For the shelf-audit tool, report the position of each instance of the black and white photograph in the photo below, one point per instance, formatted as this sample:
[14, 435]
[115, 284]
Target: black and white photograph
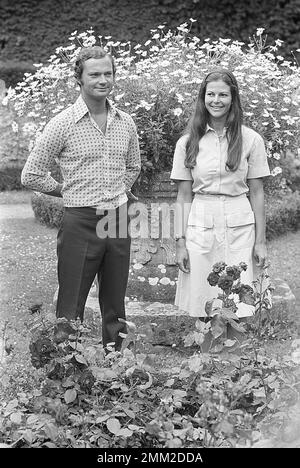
[149, 228]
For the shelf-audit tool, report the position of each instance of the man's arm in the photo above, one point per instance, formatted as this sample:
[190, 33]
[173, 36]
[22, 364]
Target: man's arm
[133, 160]
[36, 172]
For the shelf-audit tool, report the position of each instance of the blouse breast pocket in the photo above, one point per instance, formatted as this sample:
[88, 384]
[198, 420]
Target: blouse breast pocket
[240, 230]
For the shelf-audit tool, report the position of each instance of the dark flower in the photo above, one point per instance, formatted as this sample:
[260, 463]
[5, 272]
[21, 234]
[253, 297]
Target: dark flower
[246, 294]
[218, 267]
[233, 271]
[213, 278]
[225, 282]
[41, 351]
[243, 266]
[86, 381]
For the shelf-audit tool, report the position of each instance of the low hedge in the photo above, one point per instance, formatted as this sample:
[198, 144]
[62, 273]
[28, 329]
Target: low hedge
[10, 179]
[282, 213]
[12, 71]
[47, 210]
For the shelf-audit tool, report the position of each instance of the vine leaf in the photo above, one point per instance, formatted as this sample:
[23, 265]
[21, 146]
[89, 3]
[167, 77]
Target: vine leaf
[113, 425]
[70, 395]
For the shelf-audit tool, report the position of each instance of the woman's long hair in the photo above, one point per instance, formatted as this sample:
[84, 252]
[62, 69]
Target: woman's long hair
[197, 125]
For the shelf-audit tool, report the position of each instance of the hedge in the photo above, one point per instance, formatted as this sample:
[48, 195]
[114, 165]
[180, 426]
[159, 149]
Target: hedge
[12, 72]
[32, 29]
[10, 179]
[282, 213]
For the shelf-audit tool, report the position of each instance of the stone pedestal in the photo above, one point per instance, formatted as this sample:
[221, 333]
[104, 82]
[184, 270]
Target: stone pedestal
[163, 324]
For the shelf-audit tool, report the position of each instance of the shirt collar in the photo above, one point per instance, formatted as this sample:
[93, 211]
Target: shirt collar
[208, 128]
[81, 109]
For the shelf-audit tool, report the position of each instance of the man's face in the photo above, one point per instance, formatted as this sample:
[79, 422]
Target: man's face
[97, 78]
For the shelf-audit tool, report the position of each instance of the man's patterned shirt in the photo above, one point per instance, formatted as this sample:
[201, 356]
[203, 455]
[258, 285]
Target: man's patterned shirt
[97, 168]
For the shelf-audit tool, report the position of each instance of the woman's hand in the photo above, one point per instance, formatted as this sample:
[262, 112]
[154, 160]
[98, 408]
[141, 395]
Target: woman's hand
[182, 257]
[260, 254]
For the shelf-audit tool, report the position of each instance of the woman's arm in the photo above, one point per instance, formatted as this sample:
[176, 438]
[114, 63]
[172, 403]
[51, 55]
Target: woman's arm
[183, 206]
[257, 202]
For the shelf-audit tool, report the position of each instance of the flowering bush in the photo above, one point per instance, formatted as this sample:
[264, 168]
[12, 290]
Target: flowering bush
[158, 82]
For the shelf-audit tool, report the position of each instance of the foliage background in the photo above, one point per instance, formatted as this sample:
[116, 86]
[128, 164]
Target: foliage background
[131, 20]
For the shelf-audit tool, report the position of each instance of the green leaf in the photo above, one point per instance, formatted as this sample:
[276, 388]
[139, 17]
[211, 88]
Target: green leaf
[70, 395]
[113, 425]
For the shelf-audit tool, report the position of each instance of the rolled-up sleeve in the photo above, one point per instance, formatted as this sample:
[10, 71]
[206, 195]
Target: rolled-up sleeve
[258, 160]
[133, 158]
[36, 171]
[179, 171]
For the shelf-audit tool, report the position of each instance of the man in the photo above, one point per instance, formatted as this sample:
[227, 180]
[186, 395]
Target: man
[97, 149]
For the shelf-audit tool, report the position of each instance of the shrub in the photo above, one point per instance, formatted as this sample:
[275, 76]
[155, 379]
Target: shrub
[282, 214]
[157, 83]
[10, 179]
[12, 72]
[48, 210]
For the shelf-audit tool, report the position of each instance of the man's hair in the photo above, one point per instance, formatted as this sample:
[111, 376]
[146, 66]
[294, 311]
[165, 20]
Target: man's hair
[86, 53]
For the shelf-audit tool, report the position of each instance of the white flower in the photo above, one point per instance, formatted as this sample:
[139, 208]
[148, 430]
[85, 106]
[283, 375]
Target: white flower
[153, 281]
[165, 280]
[138, 266]
[15, 127]
[177, 112]
[276, 156]
[276, 171]
[259, 31]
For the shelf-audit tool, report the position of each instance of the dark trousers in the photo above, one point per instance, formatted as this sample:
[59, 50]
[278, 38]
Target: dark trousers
[86, 247]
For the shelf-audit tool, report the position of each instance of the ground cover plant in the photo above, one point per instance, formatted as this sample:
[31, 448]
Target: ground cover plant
[221, 397]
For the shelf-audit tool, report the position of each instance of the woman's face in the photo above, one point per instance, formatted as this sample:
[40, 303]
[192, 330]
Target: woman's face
[218, 99]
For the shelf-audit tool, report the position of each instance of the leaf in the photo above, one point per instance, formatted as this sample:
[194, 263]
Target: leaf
[79, 358]
[129, 413]
[49, 445]
[147, 384]
[113, 425]
[218, 327]
[28, 436]
[103, 373]
[70, 395]
[125, 432]
[237, 326]
[103, 418]
[228, 343]
[51, 430]
[16, 418]
[228, 314]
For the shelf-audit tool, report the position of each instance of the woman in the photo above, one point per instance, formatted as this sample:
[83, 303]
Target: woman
[216, 163]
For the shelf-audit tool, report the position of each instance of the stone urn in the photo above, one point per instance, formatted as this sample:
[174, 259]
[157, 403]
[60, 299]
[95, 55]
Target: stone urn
[153, 273]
